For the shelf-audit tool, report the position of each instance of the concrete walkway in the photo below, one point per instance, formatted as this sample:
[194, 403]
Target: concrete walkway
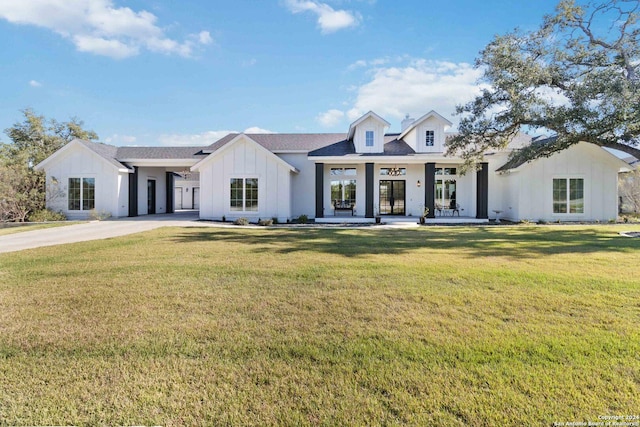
[95, 230]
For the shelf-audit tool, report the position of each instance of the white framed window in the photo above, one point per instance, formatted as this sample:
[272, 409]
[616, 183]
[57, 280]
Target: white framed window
[368, 138]
[244, 195]
[568, 195]
[81, 194]
[430, 138]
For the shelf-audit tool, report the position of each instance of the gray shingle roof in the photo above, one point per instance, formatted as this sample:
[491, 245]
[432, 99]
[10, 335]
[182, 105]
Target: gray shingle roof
[392, 147]
[106, 151]
[275, 142]
[523, 155]
[159, 153]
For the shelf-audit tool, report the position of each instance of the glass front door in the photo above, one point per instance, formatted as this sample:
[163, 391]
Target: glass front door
[392, 196]
[446, 193]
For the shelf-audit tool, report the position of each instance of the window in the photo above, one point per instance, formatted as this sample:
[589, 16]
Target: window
[446, 171]
[568, 195]
[368, 136]
[244, 194]
[343, 189]
[394, 171]
[82, 194]
[430, 138]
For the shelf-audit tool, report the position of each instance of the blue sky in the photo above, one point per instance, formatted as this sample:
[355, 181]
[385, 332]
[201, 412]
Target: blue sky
[160, 72]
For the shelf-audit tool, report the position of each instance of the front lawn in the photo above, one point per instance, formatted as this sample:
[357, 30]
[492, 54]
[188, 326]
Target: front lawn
[436, 326]
[11, 228]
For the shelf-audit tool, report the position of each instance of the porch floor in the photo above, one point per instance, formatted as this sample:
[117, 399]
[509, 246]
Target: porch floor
[401, 220]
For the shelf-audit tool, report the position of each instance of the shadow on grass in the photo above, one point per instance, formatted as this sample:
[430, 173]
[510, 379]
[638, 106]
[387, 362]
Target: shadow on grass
[480, 241]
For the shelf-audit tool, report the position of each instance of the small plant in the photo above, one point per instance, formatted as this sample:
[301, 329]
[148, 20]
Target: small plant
[274, 220]
[224, 218]
[303, 219]
[265, 222]
[542, 221]
[97, 215]
[45, 215]
[241, 221]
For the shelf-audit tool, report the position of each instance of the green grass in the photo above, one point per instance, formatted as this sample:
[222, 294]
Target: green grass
[437, 326]
[12, 228]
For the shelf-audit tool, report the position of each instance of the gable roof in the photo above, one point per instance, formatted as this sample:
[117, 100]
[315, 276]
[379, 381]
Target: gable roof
[283, 142]
[104, 151]
[517, 161]
[419, 120]
[392, 147]
[352, 127]
[146, 153]
[230, 141]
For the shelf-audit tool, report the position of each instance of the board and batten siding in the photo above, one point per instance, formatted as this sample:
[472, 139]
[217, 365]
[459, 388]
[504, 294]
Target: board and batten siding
[245, 159]
[111, 186]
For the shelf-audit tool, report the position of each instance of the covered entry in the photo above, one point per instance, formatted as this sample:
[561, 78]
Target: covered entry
[392, 197]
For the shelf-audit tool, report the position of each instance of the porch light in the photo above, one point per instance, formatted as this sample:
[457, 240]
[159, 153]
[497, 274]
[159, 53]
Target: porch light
[418, 183]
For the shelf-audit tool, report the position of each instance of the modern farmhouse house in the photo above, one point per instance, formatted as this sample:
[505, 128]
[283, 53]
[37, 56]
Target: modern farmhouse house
[354, 176]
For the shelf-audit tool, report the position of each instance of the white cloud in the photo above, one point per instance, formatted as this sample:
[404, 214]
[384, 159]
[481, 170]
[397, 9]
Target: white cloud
[256, 129]
[204, 37]
[99, 27]
[330, 118]
[204, 138]
[35, 83]
[329, 19]
[116, 139]
[416, 88]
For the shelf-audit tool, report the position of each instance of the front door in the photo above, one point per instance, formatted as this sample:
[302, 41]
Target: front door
[392, 196]
[196, 197]
[177, 198]
[151, 196]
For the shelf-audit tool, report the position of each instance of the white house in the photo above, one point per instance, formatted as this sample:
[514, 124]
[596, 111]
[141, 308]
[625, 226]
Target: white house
[363, 173]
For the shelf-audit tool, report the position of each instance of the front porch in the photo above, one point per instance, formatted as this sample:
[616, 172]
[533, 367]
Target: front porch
[405, 221]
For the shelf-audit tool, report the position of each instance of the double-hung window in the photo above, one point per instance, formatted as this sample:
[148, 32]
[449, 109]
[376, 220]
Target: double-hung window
[244, 194]
[368, 138]
[430, 138]
[82, 194]
[568, 195]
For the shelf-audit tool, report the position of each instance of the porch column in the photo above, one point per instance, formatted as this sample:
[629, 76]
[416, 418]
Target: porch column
[368, 192]
[169, 176]
[482, 199]
[133, 192]
[430, 188]
[319, 190]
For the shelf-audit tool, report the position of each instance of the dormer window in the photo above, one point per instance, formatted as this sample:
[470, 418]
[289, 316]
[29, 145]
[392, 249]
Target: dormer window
[369, 138]
[430, 138]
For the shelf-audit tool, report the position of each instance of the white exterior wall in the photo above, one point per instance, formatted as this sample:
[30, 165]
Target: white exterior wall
[359, 137]
[187, 193]
[303, 184]
[245, 159]
[158, 175]
[589, 162]
[80, 162]
[417, 136]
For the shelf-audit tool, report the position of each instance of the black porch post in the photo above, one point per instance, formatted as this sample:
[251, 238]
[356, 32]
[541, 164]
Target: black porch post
[170, 192]
[430, 188]
[133, 192]
[368, 194]
[482, 192]
[319, 190]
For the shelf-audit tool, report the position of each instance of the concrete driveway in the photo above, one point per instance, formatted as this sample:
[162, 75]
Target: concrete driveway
[95, 230]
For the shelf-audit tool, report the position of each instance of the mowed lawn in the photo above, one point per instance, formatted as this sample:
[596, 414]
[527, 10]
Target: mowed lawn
[480, 326]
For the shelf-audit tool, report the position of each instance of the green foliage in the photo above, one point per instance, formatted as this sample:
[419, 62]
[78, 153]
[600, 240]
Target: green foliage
[265, 222]
[241, 221]
[577, 76]
[99, 215]
[32, 140]
[45, 215]
[303, 219]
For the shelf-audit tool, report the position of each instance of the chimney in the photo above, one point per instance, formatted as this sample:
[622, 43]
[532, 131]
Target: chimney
[408, 121]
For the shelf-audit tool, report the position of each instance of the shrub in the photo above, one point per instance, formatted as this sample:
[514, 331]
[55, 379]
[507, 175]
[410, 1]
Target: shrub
[44, 215]
[274, 220]
[95, 214]
[303, 219]
[542, 221]
[241, 221]
[265, 222]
